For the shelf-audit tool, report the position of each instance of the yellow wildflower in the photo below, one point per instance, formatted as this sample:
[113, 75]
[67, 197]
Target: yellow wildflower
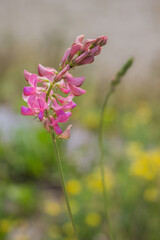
[94, 181]
[73, 187]
[93, 219]
[145, 164]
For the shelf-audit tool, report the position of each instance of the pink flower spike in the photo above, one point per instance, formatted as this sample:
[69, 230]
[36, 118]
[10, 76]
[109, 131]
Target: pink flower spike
[26, 111]
[77, 91]
[27, 91]
[66, 134]
[74, 81]
[27, 75]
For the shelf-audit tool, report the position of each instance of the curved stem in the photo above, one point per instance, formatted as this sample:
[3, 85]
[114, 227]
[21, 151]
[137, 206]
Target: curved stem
[63, 184]
[112, 87]
[101, 161]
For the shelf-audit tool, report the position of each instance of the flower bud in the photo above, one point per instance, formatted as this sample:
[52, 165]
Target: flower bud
[66, 134]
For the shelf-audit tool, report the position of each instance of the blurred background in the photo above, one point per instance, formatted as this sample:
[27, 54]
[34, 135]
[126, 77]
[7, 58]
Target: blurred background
[31, 199]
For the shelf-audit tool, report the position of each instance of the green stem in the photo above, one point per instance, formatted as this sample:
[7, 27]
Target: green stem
[63, 184]
[101, 161]
[112, 87]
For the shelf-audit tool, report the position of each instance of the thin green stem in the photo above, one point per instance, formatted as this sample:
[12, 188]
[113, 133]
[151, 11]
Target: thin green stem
[112, 87]
[63, 184]
[101, 161]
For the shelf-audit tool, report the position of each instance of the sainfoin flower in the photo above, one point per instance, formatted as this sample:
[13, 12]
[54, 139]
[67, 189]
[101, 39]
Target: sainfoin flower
[43, 95]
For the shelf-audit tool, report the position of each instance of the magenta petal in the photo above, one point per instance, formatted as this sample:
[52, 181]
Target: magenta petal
[45, 72]
[74, 81]
[69, 106]
[87, 43]
[59, 111]
[27, 75]
[31, 100]
[40, 115]
[63, 87]
[101, 41]
[68, 114]
[63, 118]
[96, 50]
[26, 111]
[25, 98]
[74, 49]
[57, 129]
[87, 60]
[33, 80]
[79, 39]
[76, 90]
[65, 90]
[65, 57]
[81, 57]
[27, 91]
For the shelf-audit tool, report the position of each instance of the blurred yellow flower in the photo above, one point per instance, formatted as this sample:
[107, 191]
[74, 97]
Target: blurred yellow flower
[73, 187]
[151, 194]
[93, 219]
[145, 164]
[5, 225]
[52, 208]
[94, 181]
